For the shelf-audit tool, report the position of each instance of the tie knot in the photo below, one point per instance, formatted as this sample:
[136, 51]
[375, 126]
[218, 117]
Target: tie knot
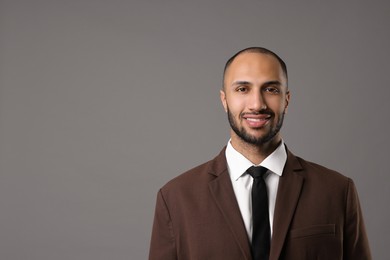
[257, 171]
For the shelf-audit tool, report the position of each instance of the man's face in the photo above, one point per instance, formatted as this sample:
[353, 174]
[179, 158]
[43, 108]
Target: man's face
[255, 97]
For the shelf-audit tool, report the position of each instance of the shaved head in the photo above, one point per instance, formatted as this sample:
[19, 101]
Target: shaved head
[260, 50]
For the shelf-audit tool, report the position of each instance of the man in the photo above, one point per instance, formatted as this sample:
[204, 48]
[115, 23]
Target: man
[221, 210]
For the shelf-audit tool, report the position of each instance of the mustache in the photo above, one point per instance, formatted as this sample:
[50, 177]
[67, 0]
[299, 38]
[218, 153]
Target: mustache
[260, 112]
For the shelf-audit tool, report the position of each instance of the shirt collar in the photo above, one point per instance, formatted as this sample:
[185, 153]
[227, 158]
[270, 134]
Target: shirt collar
[238, 163]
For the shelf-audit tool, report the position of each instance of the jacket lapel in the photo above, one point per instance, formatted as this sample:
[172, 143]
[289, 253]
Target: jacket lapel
[222, 192]
[289, 190]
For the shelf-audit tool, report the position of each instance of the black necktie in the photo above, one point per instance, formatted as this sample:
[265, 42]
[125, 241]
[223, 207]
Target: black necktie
[261, 234]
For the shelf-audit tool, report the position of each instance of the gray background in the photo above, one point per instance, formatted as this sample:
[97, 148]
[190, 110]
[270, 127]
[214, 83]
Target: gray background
[102, 102]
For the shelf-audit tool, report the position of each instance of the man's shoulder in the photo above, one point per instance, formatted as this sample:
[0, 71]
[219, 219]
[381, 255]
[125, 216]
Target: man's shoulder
[192, 175]
[321, 173]
[198, 175]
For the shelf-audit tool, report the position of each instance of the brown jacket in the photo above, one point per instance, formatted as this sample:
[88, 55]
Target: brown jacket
[317, 216]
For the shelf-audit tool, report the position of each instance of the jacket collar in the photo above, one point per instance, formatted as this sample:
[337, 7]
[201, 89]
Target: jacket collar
[289, 190]
[222, 192]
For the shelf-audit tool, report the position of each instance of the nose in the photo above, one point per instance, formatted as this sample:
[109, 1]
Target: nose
[256, 101]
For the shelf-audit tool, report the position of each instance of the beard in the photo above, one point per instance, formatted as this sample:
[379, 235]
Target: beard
[248, 138]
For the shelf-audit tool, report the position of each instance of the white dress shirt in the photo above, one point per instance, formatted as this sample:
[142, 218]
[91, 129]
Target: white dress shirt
[242, 181]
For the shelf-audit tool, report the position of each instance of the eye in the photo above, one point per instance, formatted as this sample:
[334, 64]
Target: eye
[272, 90]
[241, 89]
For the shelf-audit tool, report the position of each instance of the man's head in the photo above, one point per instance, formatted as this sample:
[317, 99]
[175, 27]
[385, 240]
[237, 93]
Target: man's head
[255, 95]
[256, 50]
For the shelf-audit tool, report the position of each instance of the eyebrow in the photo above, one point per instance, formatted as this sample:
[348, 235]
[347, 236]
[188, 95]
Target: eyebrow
[241, 82]
[268, 83]
[273, 82]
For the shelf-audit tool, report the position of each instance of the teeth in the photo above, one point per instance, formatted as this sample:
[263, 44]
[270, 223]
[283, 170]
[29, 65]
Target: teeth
[255, 119]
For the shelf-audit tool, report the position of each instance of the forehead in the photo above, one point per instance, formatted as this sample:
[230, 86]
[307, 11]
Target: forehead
[259, 66]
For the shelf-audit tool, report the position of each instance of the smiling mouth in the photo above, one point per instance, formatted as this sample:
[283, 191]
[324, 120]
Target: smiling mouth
[256, 120]
[256, 117]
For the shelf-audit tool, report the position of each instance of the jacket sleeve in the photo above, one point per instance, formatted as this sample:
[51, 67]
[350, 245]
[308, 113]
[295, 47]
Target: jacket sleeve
[355, 238]
[162, 244]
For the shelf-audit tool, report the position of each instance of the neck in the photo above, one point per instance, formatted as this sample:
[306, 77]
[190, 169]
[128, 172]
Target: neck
[256, 153]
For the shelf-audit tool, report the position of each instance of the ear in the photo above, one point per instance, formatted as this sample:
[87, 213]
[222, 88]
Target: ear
[287, 101]
[222, 95]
